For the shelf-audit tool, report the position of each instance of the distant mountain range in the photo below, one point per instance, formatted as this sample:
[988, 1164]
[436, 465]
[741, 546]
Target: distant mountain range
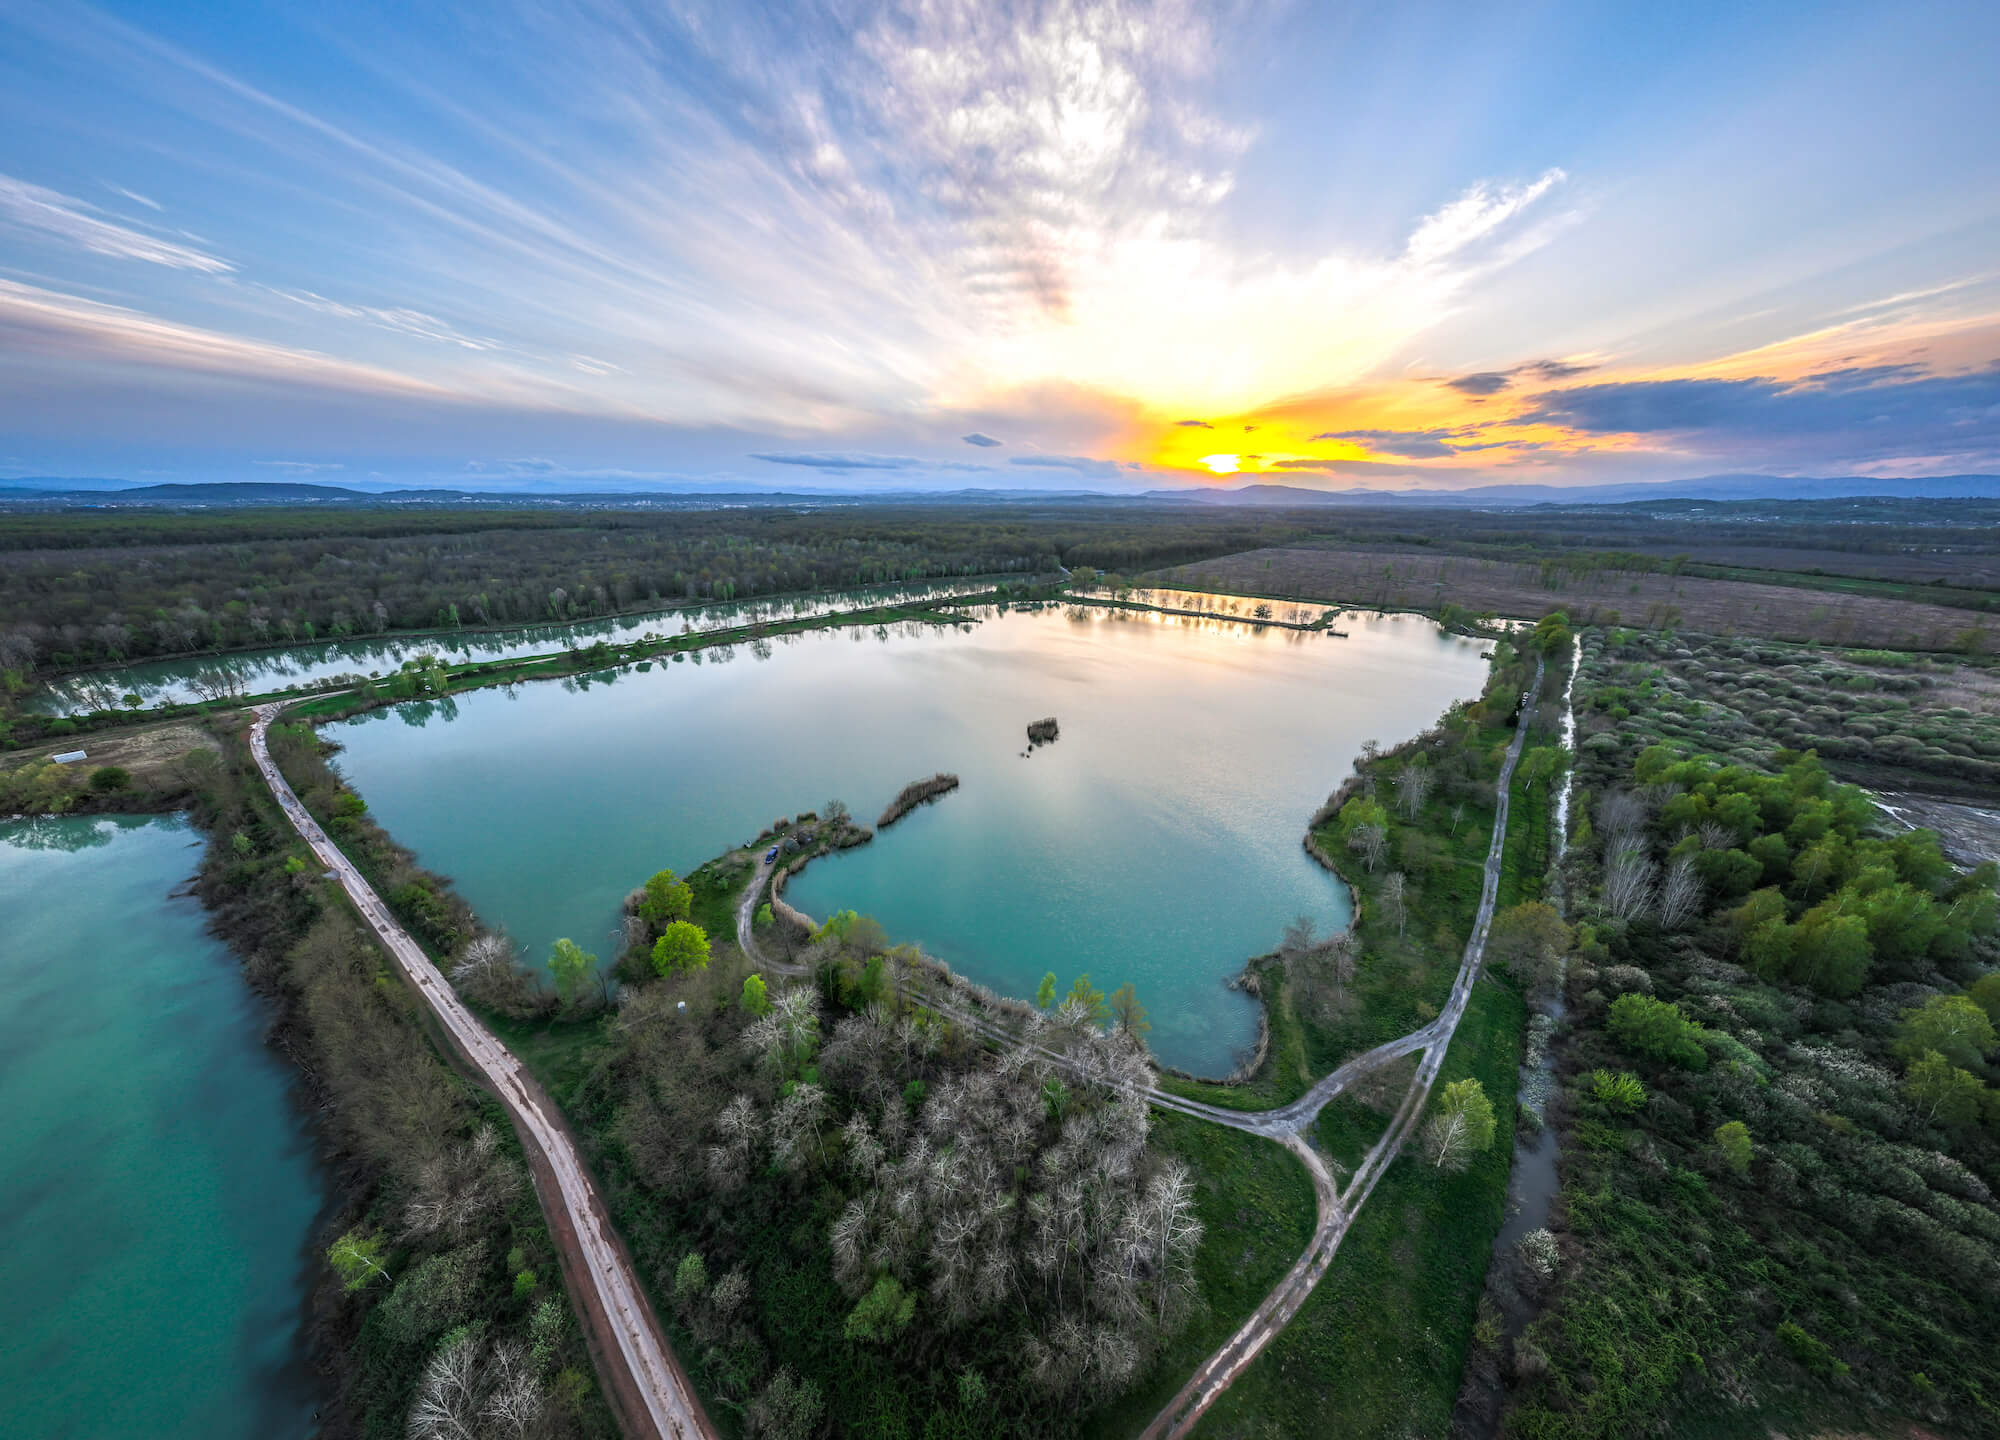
[43, 490]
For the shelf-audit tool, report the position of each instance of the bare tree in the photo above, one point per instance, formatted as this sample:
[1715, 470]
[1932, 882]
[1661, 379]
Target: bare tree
[488, 972]
[1340, 963]
[1621, 812]
[1394, 906]
[1170, 1233]
[467, 1394]
[1680, 895]
[1371, 843]
[1414, 783]
[1628, 880]
[455, 1188]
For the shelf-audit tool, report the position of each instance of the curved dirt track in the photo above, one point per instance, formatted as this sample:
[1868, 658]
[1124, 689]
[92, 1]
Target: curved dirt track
[645, 1382]
[1288, 1123]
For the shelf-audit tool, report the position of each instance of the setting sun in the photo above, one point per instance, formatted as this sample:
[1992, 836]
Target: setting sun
[1221, 464]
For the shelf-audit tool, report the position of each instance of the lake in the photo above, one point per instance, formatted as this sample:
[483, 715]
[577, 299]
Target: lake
[1157, 842]
[254, 672]
[158, 1190]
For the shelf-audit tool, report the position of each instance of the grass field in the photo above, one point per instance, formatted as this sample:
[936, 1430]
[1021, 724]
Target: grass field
[1379, 1347]
[1256, 1209]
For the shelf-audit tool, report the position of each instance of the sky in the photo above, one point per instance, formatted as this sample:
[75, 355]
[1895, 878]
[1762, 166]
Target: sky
[590, 244]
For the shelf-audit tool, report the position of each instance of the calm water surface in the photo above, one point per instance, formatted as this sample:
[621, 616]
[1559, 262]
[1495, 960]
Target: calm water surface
[1157, 842]
[157, 1188]
[256, 672]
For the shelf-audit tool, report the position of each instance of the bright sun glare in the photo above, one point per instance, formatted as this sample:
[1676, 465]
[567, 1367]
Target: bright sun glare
[1220, 464]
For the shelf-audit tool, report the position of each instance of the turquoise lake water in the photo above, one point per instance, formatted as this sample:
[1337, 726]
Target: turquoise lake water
[157, 1187]
[1157, 842]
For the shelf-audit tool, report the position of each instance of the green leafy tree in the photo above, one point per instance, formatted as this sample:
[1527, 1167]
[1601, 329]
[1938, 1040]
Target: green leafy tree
[1656, 1028]
[1531, 940]
[1985, 993]
[682, 947]
[789, 1408]
[570, 967]
[1460, 1127]
[1942, 1093]
[764, 919]
[756, 999]
[1129, 1013]
[1091, 1000]
[664, 899]
[357, 1259]
[1045, 993]
[1733, 1140]
[1830, 950]
[882, 1313]
[1953, 1026]
[690, 1279]
[1552, 634]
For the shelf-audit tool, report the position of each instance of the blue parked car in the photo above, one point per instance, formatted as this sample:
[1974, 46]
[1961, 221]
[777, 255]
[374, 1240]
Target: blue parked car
[770, 855]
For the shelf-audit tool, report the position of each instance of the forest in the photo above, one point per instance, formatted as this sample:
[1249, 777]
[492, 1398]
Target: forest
[1779, 1124]
[85, 587]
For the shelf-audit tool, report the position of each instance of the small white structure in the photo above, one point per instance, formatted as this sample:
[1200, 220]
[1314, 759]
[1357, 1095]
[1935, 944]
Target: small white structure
[68, 757]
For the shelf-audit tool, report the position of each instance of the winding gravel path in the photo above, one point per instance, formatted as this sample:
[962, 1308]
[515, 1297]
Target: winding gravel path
[645, 1380]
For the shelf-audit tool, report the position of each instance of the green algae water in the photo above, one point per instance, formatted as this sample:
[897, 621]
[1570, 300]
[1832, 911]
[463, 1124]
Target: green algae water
[157, 1187]
[1157, 842]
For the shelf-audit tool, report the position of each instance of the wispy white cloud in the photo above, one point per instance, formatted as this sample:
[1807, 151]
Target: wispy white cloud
[45, 321]
[300, 467]
[1080, 464]
[1473, 217]
[49, 212]
[134, 196]
[401, 319]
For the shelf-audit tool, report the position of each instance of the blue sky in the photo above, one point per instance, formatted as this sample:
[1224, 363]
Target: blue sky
[1118, 245]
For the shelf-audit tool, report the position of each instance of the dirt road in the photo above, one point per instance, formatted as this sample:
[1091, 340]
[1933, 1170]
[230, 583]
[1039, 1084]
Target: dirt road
[1289, 1124]
[645, 1381]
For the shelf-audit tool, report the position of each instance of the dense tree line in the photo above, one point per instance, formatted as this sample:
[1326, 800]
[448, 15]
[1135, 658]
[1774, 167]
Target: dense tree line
[87, 587]
[119, 587]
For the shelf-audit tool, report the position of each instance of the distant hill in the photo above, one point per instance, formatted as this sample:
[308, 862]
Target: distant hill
[41, 492]
[40, 483]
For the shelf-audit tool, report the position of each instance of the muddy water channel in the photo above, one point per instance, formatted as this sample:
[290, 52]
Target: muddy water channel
[157, 1186]
[1157, 842]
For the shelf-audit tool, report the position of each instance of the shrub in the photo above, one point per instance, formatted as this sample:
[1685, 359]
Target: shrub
[1620, 1091]
[1656, 1028]
[109, 779]
[1733, 1140]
